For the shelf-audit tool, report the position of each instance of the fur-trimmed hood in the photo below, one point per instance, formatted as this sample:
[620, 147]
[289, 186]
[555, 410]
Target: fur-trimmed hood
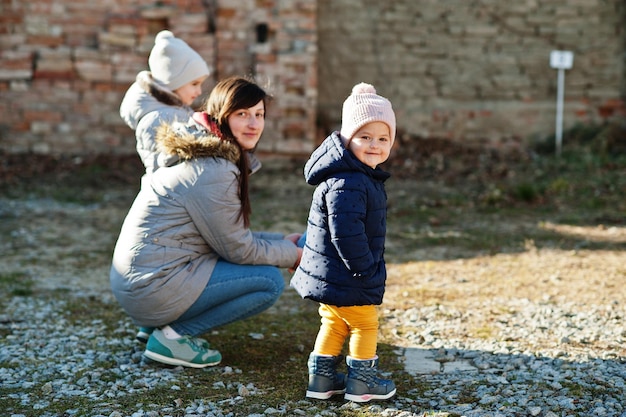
[191, 140]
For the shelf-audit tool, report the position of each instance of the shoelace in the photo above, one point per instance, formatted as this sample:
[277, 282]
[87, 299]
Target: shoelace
[195, 344]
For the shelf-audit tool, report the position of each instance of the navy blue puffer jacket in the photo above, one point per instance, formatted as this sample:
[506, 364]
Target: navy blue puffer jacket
[342, 261]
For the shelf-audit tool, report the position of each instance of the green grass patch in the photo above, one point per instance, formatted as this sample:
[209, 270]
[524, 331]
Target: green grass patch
[16, 284]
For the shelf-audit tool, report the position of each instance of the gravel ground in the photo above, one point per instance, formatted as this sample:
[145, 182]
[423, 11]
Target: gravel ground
[44, 349]
[548, 347]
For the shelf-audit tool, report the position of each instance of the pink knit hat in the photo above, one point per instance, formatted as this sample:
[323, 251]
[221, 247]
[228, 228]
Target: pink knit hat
[364, 106]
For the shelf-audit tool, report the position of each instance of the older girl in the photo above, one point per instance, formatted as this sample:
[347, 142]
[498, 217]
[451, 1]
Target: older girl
[164, 94]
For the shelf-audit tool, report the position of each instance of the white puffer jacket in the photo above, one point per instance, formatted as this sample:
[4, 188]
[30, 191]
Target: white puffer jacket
[145, 106]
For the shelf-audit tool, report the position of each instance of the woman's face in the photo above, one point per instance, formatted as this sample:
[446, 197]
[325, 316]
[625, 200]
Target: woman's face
[247, 125]
[190, 91]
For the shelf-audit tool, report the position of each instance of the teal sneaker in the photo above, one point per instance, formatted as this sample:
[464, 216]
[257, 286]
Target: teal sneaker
[143, 334]
[186, 351]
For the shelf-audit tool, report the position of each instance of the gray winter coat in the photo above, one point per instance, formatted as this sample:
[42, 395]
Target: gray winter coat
[145, 106]
[180, 223]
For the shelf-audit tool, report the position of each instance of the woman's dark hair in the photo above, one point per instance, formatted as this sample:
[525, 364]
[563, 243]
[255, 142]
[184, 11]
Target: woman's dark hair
[229, 95]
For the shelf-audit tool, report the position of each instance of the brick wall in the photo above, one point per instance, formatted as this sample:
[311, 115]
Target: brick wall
[277, 42]
[65, 66]
[452, 68]
[474, 69]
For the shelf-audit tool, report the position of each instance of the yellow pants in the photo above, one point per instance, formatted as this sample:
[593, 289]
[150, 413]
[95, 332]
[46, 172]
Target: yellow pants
[358, 322]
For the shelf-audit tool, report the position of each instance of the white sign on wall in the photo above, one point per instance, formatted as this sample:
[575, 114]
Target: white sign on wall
[561, 59]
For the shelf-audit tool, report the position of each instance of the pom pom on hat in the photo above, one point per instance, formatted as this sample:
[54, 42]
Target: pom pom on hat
[364, 106]
[173, 63]
[363, 88]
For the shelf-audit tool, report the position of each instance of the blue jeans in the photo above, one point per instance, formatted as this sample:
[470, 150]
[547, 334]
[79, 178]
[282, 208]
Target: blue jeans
[302, 240]
[233, 293]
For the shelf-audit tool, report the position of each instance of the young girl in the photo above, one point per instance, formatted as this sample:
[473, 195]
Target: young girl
[163, 95]
[342, 264]
[186, 261]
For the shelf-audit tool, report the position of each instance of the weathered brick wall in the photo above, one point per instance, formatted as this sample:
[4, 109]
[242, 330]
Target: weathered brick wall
[276, 41]
[473, 69]
[65, 65]
[453, 68]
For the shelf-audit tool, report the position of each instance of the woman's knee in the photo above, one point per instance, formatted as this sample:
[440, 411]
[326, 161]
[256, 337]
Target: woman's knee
[275, 279]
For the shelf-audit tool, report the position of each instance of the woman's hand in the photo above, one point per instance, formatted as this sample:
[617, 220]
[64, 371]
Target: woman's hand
[294, 237]
[293, 268]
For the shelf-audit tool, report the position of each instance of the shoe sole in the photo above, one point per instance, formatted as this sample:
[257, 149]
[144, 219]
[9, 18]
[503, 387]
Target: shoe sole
[323, 395]
[363, 398]
[177, 362]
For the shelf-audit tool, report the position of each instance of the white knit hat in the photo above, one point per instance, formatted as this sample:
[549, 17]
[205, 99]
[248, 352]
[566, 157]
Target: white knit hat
[364, 106]
[173, 63]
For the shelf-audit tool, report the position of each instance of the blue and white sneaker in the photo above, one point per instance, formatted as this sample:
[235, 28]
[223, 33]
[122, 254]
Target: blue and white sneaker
[143, 334]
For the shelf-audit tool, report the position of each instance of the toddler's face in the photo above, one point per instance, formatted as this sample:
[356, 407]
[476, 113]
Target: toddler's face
[190, 91]
[371, 144]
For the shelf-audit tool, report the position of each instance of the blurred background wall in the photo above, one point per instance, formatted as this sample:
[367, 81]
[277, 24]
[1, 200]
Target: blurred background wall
[457, 69]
